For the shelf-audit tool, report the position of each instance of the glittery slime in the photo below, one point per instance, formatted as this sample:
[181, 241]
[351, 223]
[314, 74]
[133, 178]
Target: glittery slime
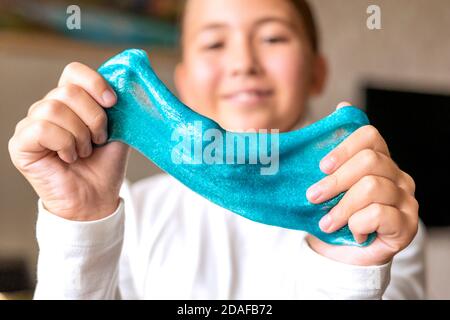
[147, 114]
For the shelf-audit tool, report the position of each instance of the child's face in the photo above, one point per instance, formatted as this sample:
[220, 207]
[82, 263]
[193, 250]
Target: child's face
[246, 64]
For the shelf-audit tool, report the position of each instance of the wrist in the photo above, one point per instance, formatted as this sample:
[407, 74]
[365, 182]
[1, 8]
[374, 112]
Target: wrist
[91, 212]
[52, 230]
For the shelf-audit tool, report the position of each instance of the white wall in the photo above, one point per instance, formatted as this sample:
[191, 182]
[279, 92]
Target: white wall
[412, 49]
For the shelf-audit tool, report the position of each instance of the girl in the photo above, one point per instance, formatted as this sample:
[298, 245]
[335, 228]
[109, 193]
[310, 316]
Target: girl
[247, 65]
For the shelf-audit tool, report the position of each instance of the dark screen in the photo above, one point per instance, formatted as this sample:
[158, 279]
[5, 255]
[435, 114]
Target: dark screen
[416, 127]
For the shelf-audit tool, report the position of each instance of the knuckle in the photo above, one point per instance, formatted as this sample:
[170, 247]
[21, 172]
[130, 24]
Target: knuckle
[72, 67]
[377, 211]
[369, 157]
[69, 143]
[409, 180]
[39, 127]
[66, 141]
[82, 136]
[11, 145]
[370, 184]
[371, 132]
[98, 120]
[414, 204]
[49, 109]
[20, 125]
[33, 107]
[98, 83]
[13, 154]
[69, 91]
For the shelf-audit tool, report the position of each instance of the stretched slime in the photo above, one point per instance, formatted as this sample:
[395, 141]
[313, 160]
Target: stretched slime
[147, 115]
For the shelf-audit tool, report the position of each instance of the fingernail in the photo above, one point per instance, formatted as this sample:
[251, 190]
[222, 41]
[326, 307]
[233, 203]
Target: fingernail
[109, 98]
[314, 192]
[328, 164]
[74, 157]
[325, 222]
[343, 104]
[360, 239]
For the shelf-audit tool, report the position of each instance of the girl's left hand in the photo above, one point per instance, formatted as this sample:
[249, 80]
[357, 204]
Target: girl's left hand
[379, 198]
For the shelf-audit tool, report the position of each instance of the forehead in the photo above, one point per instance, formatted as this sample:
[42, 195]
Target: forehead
[235, 13]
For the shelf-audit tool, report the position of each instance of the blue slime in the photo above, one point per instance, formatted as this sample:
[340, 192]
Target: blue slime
[148, 116]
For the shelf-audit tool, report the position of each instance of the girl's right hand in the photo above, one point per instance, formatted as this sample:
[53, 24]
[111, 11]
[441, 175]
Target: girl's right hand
[52, 147]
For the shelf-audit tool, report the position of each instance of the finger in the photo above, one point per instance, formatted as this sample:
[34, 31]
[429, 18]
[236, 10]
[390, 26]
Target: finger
[91, 81]
[41, 135]
[370, 189]
[364, 163]
[58, 113]
[343, 104]
[383, 219]
[407, 183]
[86, 108]
[366, 137]
[22, 123]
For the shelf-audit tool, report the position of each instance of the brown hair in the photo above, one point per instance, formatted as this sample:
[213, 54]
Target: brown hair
[304, 10]
[307, 15]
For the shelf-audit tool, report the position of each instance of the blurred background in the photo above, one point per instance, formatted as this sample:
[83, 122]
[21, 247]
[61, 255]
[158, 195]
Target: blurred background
[400, 75]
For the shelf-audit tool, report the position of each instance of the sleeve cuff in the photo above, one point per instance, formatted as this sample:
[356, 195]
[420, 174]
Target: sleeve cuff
[57, 230]
[363, 281]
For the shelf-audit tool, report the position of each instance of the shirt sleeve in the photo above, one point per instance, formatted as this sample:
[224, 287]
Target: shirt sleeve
[78, 260]
[324, 278]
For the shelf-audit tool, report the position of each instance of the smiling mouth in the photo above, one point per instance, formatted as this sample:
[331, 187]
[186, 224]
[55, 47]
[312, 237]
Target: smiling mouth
[250, 97]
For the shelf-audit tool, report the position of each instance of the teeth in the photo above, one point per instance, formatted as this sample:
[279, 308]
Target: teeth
[246, 96]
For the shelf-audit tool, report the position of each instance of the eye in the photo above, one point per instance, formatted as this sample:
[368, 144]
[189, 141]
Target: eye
[272, 40]
[214, 46]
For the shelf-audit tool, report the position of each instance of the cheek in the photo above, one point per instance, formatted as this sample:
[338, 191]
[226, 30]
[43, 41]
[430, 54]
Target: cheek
[203, 82]
[289, 73]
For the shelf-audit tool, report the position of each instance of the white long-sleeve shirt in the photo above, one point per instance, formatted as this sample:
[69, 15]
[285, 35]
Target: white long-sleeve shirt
[166, 242]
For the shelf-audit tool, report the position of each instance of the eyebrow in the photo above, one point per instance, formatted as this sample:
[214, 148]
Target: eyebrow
[218, 25]
[275, 19]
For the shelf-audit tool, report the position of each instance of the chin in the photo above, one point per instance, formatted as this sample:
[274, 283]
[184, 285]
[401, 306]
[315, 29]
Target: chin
[244, 118]
[238, 124]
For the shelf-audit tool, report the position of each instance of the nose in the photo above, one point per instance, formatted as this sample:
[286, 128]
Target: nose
[243, 60]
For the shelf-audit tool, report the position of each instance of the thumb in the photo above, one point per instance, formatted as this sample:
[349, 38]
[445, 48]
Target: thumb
[343, 104]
